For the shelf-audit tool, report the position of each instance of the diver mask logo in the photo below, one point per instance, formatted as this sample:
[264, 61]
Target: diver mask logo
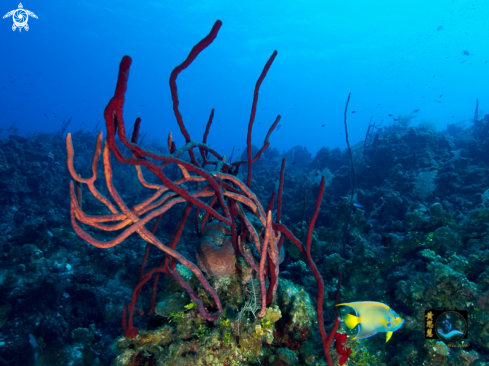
[20, 17]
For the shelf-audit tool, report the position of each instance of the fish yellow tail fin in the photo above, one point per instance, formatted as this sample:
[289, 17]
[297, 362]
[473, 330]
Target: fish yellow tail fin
[351, 321]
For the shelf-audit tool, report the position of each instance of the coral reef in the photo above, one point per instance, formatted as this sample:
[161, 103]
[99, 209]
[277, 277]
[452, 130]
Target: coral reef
[414, 240]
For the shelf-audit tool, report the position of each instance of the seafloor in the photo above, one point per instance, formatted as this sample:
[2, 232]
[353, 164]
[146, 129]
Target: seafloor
[417, 239]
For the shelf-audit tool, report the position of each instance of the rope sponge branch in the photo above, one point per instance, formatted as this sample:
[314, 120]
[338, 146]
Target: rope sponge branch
[114, 121]
[253, 113]
[231, 201]
[196, 50]
[326, 339]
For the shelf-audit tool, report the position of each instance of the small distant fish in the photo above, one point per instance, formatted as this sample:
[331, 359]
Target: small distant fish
[45, 114]
[293, 163]
[465, 53]
[396, 119]
[439, 28]
[278, 127]
[356, 204]
[416, 111]
[316, 174]
[323, 125]
[390, 115]
[440, 96]
[372, 318]
[142, 105]
[353, 111]
[463, 61]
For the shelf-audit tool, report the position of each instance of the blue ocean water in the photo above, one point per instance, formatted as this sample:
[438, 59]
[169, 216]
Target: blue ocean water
[394, 57]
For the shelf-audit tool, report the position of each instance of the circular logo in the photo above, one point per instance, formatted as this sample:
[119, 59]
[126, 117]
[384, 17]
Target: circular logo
[20, 18]
[451, 326]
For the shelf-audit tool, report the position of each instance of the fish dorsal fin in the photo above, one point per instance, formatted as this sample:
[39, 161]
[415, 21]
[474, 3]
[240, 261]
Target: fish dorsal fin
[388, 336]
[361, 306]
